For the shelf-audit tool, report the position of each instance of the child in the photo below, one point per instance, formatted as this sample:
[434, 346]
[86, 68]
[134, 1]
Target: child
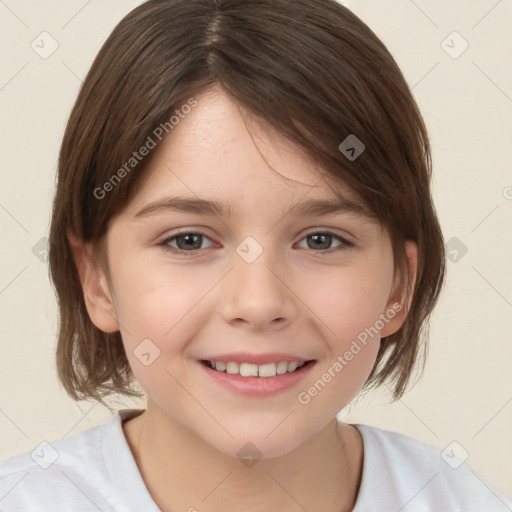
[278, 142]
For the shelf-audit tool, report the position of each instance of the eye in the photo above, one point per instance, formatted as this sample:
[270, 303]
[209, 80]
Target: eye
[191, 242]
[186, 242]
[322, 240]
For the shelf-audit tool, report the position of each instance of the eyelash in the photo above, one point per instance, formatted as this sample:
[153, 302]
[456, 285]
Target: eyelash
[345, 244]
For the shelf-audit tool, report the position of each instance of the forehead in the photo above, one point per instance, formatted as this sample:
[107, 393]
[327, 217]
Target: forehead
[221, 154]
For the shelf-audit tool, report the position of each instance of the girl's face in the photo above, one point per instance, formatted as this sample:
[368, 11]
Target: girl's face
[259, 282]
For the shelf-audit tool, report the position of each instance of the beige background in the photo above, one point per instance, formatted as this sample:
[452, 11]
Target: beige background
[466, 392]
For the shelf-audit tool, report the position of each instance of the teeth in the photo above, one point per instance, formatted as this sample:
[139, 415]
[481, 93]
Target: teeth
[282, 367]
[248, 370]
[231, 368]
[254, 370]
[292, 367]
[267, 370]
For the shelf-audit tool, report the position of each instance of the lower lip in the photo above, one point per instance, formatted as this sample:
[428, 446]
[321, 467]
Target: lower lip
[258, 386]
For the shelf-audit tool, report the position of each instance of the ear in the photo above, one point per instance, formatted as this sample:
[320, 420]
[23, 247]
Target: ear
[97, 293]
[401, 296]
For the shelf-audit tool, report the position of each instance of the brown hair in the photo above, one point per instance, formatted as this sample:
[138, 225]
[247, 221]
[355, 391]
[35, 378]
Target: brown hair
[310, 68]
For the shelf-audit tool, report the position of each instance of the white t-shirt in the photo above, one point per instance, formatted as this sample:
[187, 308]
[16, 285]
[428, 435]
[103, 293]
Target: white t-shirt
[95, 471]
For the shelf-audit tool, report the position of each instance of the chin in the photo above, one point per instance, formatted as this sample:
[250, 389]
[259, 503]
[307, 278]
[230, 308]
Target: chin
[256, 449]
[255, 444]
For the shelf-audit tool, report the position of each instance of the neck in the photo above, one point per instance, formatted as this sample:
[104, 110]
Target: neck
[183, 472]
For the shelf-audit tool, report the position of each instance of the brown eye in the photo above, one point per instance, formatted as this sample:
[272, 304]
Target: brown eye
[185, 242]
[189, 241]
[322, 241]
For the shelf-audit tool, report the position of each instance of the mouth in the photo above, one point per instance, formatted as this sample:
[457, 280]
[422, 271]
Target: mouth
[257, 376]
[263, 371]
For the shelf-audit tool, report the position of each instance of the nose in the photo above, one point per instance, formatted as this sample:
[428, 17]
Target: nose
[258, 295]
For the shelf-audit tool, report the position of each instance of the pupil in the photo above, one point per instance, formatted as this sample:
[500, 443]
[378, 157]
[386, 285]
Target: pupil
[189, 237]
[324, 238]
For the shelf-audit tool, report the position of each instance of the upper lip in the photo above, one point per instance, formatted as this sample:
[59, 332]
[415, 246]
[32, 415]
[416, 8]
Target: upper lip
[258, 359]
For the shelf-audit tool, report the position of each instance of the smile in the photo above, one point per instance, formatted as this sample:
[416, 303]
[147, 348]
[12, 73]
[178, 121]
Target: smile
[255, 370]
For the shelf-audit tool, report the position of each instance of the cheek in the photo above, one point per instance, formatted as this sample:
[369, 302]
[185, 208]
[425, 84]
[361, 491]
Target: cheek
[348, 304]
[349, 299]
[160, 308]
[156, 300]
[351, 348]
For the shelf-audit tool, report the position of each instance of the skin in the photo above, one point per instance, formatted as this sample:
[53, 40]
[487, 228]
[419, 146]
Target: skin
[296, 297]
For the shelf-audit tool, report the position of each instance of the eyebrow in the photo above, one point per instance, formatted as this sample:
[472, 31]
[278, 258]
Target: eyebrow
[313, 207]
